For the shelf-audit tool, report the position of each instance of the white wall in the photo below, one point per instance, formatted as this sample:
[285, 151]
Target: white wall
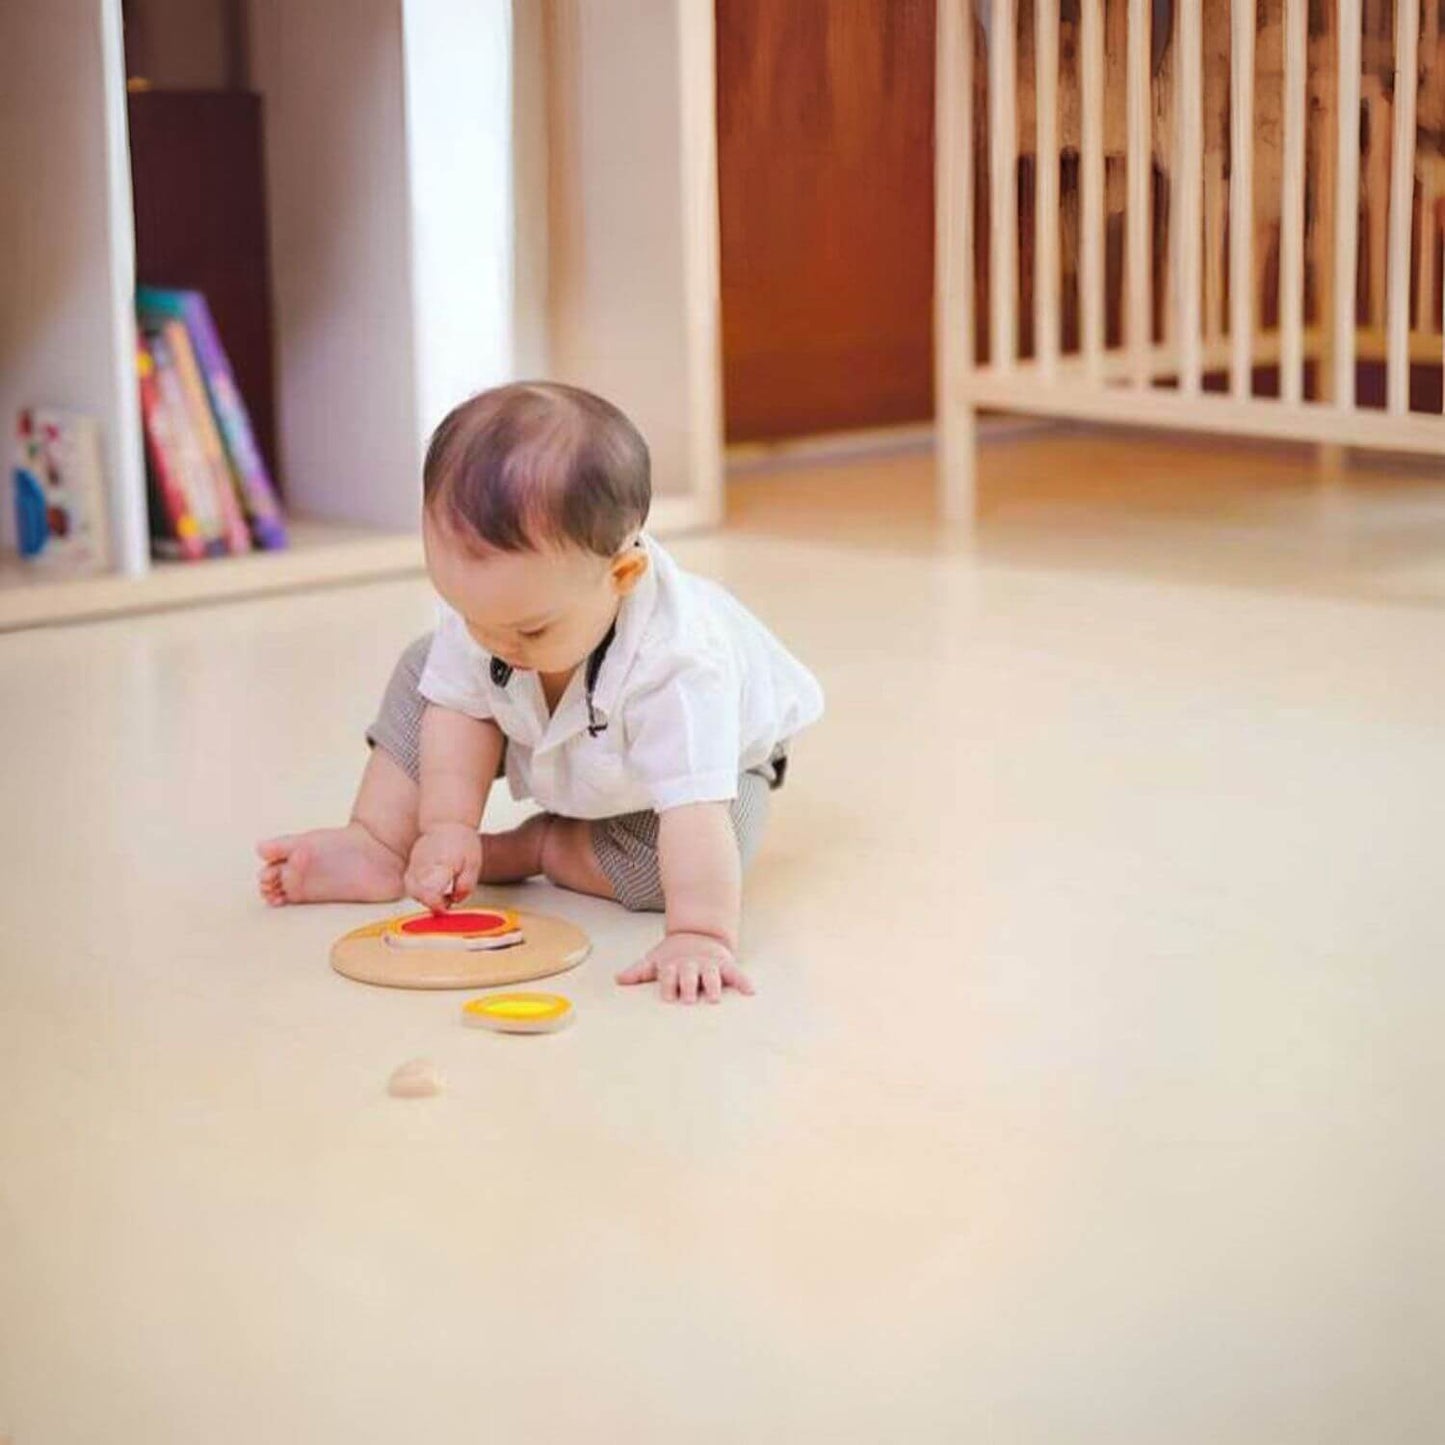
[458, 60]
[332, 76]
[531, 307]
[413, 147]
[390, 179]
[67, 333]
[633, 210]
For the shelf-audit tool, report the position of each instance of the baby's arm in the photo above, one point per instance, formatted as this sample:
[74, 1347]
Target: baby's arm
[702, 887]
[459, 757]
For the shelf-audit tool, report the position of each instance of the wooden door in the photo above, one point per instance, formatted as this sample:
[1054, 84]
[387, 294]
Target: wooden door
[825, 170]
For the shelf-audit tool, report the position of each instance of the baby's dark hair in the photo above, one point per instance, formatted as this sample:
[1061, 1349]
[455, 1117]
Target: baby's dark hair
[536, 464]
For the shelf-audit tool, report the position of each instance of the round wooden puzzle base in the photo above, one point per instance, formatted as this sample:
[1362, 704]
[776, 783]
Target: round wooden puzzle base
[552, 945]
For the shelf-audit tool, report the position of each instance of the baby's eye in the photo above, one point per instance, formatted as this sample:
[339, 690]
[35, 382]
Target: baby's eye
[534, 634]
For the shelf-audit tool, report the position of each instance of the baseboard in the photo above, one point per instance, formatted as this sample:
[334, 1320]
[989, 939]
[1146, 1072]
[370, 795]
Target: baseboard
[745, 458]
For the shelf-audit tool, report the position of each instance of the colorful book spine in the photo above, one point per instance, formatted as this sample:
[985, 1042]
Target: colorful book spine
[238, 535]
[174, 528]
[252, 480]
[60, 510]
[190, 469]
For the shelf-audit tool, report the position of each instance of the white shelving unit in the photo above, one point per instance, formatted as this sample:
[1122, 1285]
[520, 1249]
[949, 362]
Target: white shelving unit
[397, 142]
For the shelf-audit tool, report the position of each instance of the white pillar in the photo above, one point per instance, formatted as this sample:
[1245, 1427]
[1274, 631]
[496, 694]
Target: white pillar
[457, 66]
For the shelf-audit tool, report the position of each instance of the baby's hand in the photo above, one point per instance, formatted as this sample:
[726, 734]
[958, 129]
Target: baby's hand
[444, 865]
[684, 963]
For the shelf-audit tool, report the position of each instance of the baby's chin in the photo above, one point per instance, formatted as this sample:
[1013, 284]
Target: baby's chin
[549, 666]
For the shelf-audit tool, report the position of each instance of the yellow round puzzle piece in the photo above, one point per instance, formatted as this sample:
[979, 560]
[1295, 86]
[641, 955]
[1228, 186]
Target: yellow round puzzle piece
[518, 1013]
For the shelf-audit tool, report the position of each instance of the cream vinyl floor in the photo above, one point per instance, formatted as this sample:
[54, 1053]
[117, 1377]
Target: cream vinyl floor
[1092, 1090]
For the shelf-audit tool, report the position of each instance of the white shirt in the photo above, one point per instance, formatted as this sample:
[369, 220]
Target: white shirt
[693, 690]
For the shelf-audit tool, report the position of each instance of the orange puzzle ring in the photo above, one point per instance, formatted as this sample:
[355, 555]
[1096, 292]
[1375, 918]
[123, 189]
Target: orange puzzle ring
[458, 923]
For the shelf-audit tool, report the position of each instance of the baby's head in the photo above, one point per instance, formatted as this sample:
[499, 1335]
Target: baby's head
[534, 495]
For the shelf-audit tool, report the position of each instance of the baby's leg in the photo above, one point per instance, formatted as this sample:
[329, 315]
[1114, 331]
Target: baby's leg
[560, 849]
[364, 861]
[624, 851]
[615, 858]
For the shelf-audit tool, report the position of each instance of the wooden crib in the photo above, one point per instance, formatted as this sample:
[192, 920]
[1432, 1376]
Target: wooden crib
[1092, 157]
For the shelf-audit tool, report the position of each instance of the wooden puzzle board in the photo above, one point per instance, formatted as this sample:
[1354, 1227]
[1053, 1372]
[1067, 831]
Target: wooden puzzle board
[552, 945]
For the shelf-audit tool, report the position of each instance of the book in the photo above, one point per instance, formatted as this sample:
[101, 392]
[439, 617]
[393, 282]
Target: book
[203, 424]
[248, 469]
[188, 462]
[175, 532]
[60, 511]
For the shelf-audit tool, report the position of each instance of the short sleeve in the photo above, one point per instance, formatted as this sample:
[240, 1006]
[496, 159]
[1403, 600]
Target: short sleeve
[455, 675]
[683, 734]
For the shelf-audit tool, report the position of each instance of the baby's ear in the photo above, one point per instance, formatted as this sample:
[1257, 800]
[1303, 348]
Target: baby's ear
[628, 569]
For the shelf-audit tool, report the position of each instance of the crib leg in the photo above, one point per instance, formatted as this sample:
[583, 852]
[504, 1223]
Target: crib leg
[958, 462]
[1331, 461]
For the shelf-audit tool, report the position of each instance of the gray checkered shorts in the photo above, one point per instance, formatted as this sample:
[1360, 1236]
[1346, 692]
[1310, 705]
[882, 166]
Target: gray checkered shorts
[626, 846]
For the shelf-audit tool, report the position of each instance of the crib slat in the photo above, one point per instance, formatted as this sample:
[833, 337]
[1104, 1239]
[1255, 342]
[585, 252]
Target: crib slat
[1140, 167]
[1046, 213]
[1189, 138]
[1216, 240]
[955, 343]
[1347, 200]
[1241, 197]
[1091, 242]
[1292, 208]
[1402, 205]
[1425, 256]
[1003, 174]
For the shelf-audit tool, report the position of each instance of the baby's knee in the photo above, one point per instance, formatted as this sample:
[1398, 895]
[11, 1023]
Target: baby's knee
[570, 858]
[564, 847]
[397, 728]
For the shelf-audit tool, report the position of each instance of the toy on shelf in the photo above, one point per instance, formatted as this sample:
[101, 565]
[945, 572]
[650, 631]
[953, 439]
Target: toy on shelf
[60, 512]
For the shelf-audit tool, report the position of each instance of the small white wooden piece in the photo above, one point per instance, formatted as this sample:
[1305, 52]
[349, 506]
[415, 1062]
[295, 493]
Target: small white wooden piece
[415, 1079]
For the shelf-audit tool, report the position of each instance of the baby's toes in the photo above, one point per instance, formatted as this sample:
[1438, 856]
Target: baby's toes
[292, 873]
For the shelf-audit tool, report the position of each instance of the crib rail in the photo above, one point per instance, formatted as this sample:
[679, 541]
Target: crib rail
[1234, 226]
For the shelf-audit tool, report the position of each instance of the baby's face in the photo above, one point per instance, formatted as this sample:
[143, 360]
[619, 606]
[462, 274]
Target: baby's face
[539, 611]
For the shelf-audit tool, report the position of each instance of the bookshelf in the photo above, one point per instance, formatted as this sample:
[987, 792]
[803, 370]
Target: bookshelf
[395, 289]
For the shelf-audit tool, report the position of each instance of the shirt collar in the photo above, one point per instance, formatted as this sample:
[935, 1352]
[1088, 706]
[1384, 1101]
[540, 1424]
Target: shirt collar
[633, 618]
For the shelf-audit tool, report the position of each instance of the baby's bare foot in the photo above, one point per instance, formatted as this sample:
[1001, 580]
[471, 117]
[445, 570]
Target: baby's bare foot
[329, 865]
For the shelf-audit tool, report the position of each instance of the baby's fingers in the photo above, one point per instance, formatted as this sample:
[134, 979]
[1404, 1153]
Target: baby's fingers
[687, 981]
[432, 886]
[643, 971]
[712, 985]
[734, 977]
[463, 882]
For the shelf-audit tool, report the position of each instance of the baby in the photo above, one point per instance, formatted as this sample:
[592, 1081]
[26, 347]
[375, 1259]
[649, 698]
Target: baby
[645, 710]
